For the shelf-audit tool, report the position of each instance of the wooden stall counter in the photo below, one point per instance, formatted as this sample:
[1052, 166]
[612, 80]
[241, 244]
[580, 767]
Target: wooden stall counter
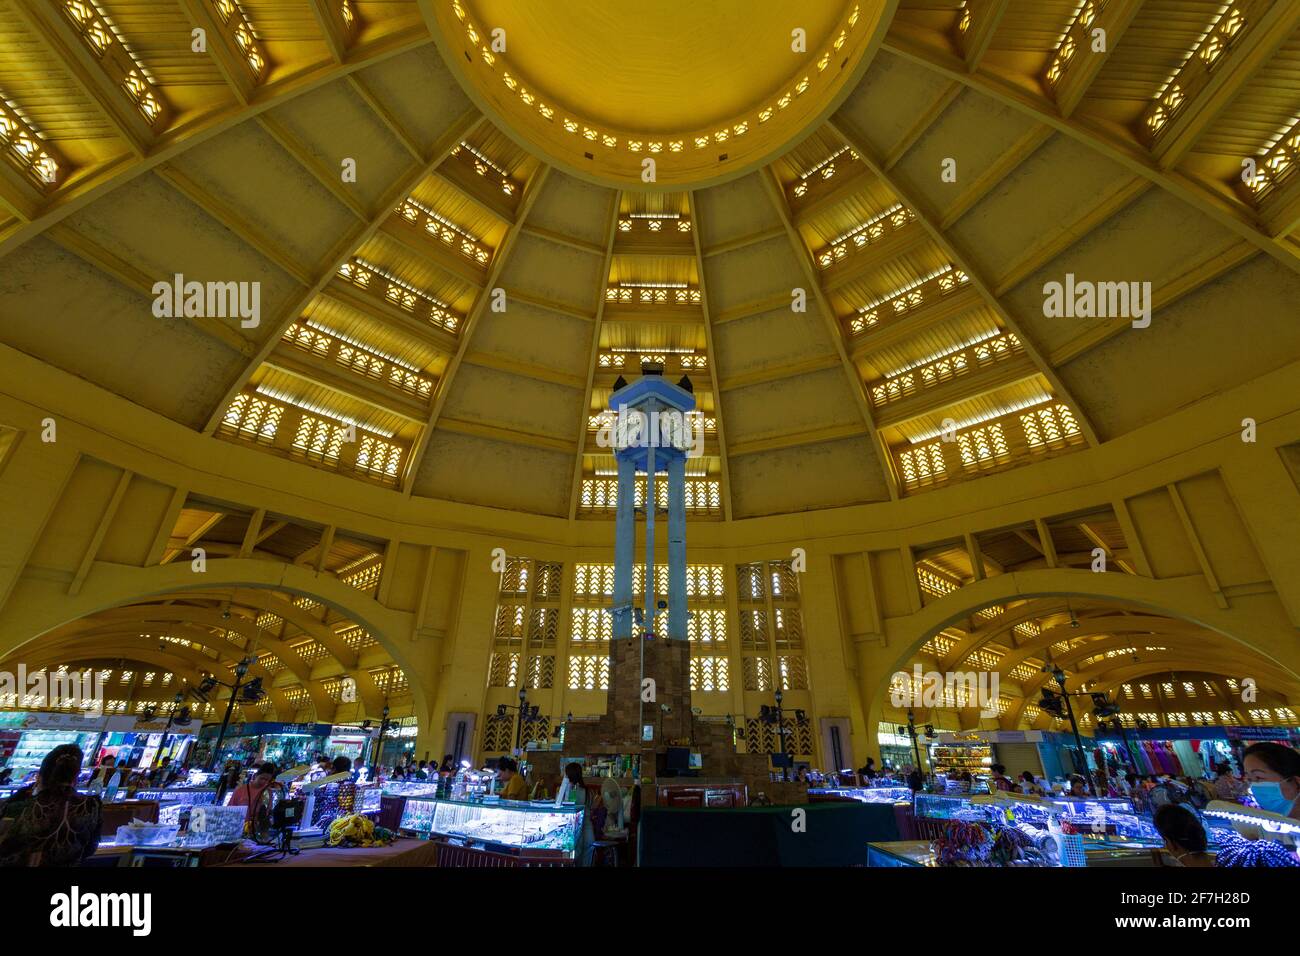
[405, 852]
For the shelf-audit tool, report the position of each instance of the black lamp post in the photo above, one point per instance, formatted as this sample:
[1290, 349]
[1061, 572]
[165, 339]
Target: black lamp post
[916, 743]
[519, 723]
[379, 744]
[1059, 676]
[241, 669]
[171, 719]
[780, 726]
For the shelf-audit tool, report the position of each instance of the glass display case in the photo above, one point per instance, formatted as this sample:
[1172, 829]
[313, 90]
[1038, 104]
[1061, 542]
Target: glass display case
[525, 829]
[954, 806]
[35, 743]
[1098, 821]
[901, 853]
[1110, 820]
[952, 759]
[190, 795]
[979, 783]
[417, 815]
[369, 799]
[411, 788]
[326, 802]
[172, 800]
[862, 794]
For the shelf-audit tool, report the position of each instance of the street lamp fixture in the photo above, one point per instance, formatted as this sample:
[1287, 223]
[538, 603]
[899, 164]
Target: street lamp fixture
[255, 687]
[1059, 676]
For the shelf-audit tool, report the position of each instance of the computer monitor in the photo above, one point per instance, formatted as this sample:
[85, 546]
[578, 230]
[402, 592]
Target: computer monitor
[782, 760]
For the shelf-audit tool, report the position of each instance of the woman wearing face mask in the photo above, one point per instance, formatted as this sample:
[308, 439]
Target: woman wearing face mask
[1184, 836]
[1273, 772]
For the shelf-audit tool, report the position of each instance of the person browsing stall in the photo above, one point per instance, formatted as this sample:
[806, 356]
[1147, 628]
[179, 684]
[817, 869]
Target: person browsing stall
[250, 793]
[55, 826]
[512, 783]
[1183, 834]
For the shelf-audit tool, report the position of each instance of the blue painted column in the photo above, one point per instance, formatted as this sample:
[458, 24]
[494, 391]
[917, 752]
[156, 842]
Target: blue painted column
[650, 499]
[624, 546]
[677, 547]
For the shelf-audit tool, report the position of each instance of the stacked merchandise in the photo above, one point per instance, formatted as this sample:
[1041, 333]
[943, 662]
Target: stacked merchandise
[1235, 850]
[965, 843]
[953, 759]
[1177, 758]
[1053, 828]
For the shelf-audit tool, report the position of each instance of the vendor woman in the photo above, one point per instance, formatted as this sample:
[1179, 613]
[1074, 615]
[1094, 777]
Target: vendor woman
[248, 794]
[1273, 772]
[512, 784]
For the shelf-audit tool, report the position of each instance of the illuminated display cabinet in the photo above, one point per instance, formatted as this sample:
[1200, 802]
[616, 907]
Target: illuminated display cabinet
[861, 794]
[1104, 820]
[525, 829]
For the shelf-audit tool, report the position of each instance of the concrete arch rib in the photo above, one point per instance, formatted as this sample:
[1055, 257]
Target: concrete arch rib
[38, 607]
[1259, 624]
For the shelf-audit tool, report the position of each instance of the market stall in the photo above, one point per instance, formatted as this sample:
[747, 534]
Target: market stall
[514, 832]
[285, 745]
[144, 743]
[1182, 751]
[27, 736]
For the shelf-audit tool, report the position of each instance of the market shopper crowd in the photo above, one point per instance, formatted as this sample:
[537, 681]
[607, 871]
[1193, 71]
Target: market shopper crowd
[1270, 779]
[51, 822]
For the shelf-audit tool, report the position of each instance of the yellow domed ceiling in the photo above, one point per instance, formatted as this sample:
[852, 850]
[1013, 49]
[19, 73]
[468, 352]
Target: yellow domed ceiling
[943, 447]
[706, 90]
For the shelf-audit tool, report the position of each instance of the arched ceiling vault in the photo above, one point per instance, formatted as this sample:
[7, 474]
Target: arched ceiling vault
[188, 661]
[1102, 646]
[199, 647]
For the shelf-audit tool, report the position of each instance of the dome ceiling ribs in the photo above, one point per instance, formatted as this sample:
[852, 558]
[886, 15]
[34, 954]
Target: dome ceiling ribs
[335, 28]
[221, 48]
[983, 67]
[341, 253]
[59, 37]
[974, 36]
[593, 356]
[329, 178]
[928, 219]
[35, 211]
[714, 94]
[829, 316]
[654, 306]
[531, 192]
[1079, 73]
[1168, 165]
[711, 351]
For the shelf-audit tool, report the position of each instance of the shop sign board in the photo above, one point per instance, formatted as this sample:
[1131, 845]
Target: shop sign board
[266, 728]
[345, 732]
[1263, 733]
[992, 737]
[137, 725]
[1205, 733]
[41, 720]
